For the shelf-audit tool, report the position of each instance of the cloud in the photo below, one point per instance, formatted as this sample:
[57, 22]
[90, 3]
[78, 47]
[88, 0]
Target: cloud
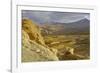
[49, 16]
[68, 17]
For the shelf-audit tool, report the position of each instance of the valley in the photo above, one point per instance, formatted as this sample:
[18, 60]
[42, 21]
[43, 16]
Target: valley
[79, 44]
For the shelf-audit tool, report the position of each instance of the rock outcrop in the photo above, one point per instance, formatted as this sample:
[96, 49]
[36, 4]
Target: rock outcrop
[33, 48]
[33, 31]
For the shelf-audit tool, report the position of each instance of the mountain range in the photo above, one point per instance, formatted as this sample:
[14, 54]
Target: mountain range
[78, 27]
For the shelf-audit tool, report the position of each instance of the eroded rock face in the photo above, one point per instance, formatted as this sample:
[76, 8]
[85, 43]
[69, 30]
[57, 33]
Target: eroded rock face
[32, 44]
[33, 31]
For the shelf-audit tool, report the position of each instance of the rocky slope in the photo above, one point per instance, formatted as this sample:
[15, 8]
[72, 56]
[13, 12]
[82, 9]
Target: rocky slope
[33, 45]
[32, 30]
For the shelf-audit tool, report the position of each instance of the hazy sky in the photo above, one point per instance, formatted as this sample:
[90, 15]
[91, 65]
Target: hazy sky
[48, 17]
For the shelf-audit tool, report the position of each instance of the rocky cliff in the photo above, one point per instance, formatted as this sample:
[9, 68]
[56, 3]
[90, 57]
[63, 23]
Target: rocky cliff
[33, 31]
[33, 45]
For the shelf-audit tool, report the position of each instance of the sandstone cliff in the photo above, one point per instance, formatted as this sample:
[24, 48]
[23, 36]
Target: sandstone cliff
[33, 48]
[33, 31]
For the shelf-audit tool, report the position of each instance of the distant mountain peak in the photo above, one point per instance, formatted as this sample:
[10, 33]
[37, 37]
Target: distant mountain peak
[81, 20]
